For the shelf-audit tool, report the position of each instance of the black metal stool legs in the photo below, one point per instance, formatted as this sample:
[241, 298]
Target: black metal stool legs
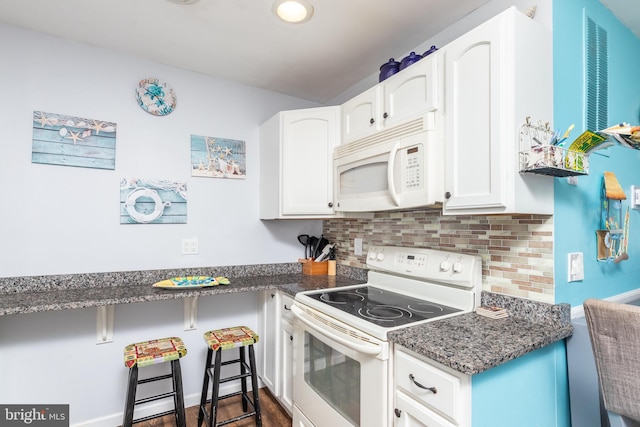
[254, 386]
[178, 399]
[127, 420]
[243, 381]
[205, 388]
[212, 373]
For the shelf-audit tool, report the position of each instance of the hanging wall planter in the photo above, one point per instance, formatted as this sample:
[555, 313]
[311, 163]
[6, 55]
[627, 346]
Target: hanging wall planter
[614, 233]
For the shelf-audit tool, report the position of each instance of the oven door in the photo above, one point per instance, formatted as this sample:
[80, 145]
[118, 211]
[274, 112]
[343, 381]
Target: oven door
[340, 375]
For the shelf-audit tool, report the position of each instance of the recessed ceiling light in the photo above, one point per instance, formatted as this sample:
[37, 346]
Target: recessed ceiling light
[294, 11]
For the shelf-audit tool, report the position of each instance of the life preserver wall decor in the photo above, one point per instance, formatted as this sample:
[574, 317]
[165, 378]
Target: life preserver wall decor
[152, 201]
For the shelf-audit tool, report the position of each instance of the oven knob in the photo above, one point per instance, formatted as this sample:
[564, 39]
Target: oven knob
[372, 255]
[445, 265]
[381, 256]
[457, 267]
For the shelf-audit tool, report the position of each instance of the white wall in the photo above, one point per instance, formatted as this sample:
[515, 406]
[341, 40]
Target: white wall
[58, 220]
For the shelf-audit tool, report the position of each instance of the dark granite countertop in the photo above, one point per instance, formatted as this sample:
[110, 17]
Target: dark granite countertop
[470, 343]
[30, 294]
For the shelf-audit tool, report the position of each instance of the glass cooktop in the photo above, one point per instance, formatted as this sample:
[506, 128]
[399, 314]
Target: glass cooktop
[382, 307]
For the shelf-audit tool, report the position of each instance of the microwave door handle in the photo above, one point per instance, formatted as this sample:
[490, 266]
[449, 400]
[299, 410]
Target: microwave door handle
[390, 168]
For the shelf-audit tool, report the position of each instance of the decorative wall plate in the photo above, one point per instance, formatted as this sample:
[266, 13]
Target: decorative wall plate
[156, 97]
[186, 282]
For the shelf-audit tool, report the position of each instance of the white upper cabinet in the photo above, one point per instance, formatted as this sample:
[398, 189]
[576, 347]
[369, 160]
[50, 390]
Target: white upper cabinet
[496, 75]
[402, 97]
[296, 163]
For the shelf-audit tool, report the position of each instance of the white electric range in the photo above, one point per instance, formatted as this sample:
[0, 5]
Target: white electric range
[341, 351]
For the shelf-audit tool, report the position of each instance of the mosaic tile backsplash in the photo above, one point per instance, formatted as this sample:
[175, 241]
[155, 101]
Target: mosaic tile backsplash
[516, 250]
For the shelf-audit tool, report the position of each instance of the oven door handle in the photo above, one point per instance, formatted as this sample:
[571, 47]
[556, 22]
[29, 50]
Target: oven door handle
[369, 349]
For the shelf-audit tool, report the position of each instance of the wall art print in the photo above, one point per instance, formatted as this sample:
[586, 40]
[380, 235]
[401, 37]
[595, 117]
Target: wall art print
[152, 201]
[218, 157]
[73, 141]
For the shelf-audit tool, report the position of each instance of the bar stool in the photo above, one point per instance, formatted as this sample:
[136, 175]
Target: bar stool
[227, 339]
[147, 353]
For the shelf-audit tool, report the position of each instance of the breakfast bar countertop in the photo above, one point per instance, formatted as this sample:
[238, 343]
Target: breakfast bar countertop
[31, 294]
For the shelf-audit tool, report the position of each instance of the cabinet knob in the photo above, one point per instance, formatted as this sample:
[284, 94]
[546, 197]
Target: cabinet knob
[273, 295]
[371, 120]
[330, 204]
[398, 412]
[385, 115]
[286, 308]
[290, 337]
[447, 195]
[431, 389]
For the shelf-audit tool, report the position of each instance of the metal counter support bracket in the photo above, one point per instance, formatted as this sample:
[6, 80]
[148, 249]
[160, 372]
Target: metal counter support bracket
[104, 324]
[190, 313]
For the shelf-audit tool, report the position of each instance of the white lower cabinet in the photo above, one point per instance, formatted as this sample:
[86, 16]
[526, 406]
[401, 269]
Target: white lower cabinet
[427, 393]
[286, 353]
[276, 336]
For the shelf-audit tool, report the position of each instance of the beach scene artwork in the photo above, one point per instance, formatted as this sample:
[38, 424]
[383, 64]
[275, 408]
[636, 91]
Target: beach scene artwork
[73, 141]
[152, 201]
[213, 157]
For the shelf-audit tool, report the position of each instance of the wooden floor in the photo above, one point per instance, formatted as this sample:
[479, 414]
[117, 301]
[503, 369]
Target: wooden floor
[273, 415]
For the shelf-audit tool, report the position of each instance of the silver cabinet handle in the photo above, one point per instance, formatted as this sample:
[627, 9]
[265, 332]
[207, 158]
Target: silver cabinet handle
[431, 389]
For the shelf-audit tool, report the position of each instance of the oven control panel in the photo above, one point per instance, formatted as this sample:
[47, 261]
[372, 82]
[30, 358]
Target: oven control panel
[427, 264]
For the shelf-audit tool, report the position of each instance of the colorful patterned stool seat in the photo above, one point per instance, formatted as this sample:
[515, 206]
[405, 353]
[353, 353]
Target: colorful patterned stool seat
[155, 351]
[229, 338]
[148, 353]
[218, 340]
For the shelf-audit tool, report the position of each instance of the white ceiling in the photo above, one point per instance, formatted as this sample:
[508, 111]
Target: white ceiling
[242, 40]
[627, 12]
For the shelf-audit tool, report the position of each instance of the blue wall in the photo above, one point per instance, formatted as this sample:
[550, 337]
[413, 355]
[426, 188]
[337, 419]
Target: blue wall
[577, 207]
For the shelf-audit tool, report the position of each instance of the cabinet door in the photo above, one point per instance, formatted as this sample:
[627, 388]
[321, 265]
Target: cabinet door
[473, 90]
[361, 115]
[309, 137]
[269, 337]
[413, 91]
[286, 391]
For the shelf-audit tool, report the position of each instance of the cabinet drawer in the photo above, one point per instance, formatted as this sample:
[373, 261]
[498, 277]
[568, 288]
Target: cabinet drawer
[447, 398]
[285, 306]
[408, 413]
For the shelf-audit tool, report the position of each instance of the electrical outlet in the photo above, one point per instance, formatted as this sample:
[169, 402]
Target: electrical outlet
[190, 246]
[635, 197]
[575, 267]
[357, 246]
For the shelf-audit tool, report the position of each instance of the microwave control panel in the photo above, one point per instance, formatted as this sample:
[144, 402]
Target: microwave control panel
[412, 167]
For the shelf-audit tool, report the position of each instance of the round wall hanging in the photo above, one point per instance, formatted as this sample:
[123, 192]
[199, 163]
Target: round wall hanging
[155, 97]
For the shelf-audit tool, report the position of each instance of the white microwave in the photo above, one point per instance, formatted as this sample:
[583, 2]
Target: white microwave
[398, 168]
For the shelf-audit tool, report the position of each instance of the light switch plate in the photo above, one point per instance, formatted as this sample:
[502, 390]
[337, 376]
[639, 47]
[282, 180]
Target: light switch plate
[575, 267]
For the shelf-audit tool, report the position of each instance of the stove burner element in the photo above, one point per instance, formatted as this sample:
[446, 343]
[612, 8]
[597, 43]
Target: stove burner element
[426, 307]
[380, 306]
[388, 313]
[340, 297]
[368, 290]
